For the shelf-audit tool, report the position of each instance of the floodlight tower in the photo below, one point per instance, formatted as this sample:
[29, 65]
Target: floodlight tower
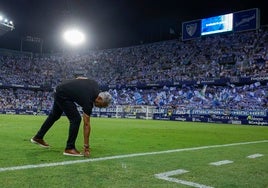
[5, 25]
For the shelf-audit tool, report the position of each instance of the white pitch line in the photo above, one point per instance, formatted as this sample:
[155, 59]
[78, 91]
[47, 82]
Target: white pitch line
[123, 156]
[219, 163]
[165, 176]
[254, 156]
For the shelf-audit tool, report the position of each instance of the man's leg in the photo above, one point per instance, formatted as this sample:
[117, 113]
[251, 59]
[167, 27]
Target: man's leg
[53, 116]
[70, 110]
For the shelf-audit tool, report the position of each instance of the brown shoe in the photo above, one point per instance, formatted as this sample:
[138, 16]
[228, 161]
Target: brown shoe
[72, 152]
[40, 142]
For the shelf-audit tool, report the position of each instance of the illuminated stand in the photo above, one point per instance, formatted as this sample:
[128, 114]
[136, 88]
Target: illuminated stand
[5, 25]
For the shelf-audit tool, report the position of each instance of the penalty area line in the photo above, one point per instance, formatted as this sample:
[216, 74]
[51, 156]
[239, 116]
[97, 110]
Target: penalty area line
[14, 168]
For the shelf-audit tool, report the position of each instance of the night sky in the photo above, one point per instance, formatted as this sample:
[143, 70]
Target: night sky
[110, 23]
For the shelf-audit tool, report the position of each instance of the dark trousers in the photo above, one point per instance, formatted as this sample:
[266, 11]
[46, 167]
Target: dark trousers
[62, 104]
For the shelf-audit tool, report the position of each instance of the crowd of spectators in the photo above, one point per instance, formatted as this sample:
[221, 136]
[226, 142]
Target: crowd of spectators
[21, 99]
[247, 97]
[219, 56]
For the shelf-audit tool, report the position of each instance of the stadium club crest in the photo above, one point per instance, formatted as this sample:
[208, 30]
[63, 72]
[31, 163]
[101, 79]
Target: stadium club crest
[191, 29]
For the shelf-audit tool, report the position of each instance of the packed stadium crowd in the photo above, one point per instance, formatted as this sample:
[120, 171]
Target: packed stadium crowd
[231, 56]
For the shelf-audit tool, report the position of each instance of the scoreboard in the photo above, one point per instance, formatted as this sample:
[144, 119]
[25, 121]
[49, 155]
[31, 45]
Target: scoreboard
[232, 22]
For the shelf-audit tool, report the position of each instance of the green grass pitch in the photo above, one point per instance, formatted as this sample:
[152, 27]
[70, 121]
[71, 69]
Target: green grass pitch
[130, 153]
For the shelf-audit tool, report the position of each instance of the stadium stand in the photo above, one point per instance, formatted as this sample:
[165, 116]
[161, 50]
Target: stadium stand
[224, 72]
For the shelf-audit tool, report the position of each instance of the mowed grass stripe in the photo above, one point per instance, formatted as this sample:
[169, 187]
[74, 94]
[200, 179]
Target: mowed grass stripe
[123, 156]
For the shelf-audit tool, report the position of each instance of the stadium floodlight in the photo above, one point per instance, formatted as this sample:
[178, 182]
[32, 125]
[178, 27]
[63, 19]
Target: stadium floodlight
[74, 37]
[6, 25]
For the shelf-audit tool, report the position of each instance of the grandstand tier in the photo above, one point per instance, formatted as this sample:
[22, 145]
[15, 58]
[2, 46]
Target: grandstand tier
[219, 78]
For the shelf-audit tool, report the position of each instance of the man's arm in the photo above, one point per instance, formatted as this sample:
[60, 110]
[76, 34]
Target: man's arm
[87, 129]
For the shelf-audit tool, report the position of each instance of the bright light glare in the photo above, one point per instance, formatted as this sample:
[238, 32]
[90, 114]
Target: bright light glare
[74, 37]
